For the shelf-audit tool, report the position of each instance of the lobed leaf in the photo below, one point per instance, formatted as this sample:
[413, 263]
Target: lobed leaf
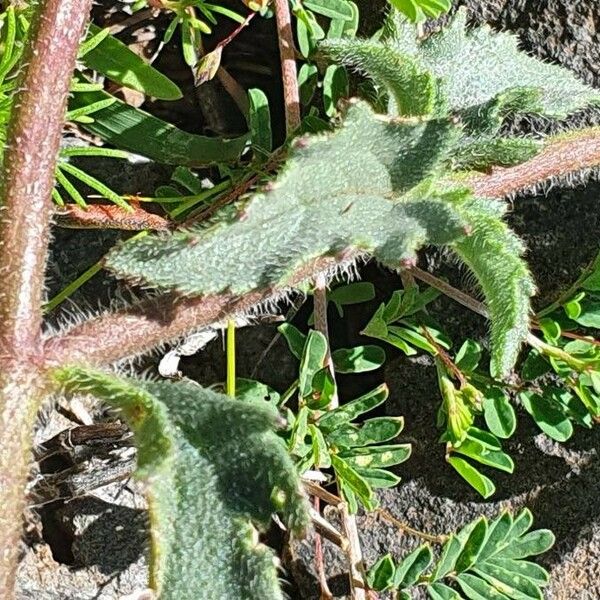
[413, 89]
[356, 189]
[478, 66]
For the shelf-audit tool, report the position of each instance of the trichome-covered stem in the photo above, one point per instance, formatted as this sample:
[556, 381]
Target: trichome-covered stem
[26, 183]
[563, 157]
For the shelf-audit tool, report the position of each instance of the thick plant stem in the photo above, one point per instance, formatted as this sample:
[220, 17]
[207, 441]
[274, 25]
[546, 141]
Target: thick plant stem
[26, 185]
[145, 325]
[20, 390]
[563, 157]
[28, 174]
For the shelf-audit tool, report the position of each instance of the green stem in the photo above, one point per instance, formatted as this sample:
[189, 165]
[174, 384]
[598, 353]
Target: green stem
[288, 394]
[73, 287]
[434, 539]
[570, 292]
[231, 358]
[557, 353]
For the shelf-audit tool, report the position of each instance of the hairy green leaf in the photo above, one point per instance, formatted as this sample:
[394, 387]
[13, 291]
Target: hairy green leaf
[412, 88]
[481, 154]
[494, 254]
[214, 470]
[476, 66]
[354, 189]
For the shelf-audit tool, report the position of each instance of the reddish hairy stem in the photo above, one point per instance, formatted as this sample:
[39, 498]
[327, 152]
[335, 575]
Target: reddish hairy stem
[579, 150]
[109, 216]
[27, 180]
[561, 157]
[130, 332]
[29, 161]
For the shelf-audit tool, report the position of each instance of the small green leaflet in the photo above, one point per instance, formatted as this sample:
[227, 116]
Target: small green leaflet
[486, 560]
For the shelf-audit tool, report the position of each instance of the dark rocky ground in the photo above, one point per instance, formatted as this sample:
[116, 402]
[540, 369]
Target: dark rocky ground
[97, 547]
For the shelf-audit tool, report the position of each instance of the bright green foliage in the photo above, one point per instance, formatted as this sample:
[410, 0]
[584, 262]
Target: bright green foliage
[364, 187]
[483, 561]
[135, 130]
[115, 60]
[395, 322]
[403, 323]
[360, 453]
[259, 119]
[577, 365]
[493, 252]
[214, 470]
[419, 10]
[504, 152]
